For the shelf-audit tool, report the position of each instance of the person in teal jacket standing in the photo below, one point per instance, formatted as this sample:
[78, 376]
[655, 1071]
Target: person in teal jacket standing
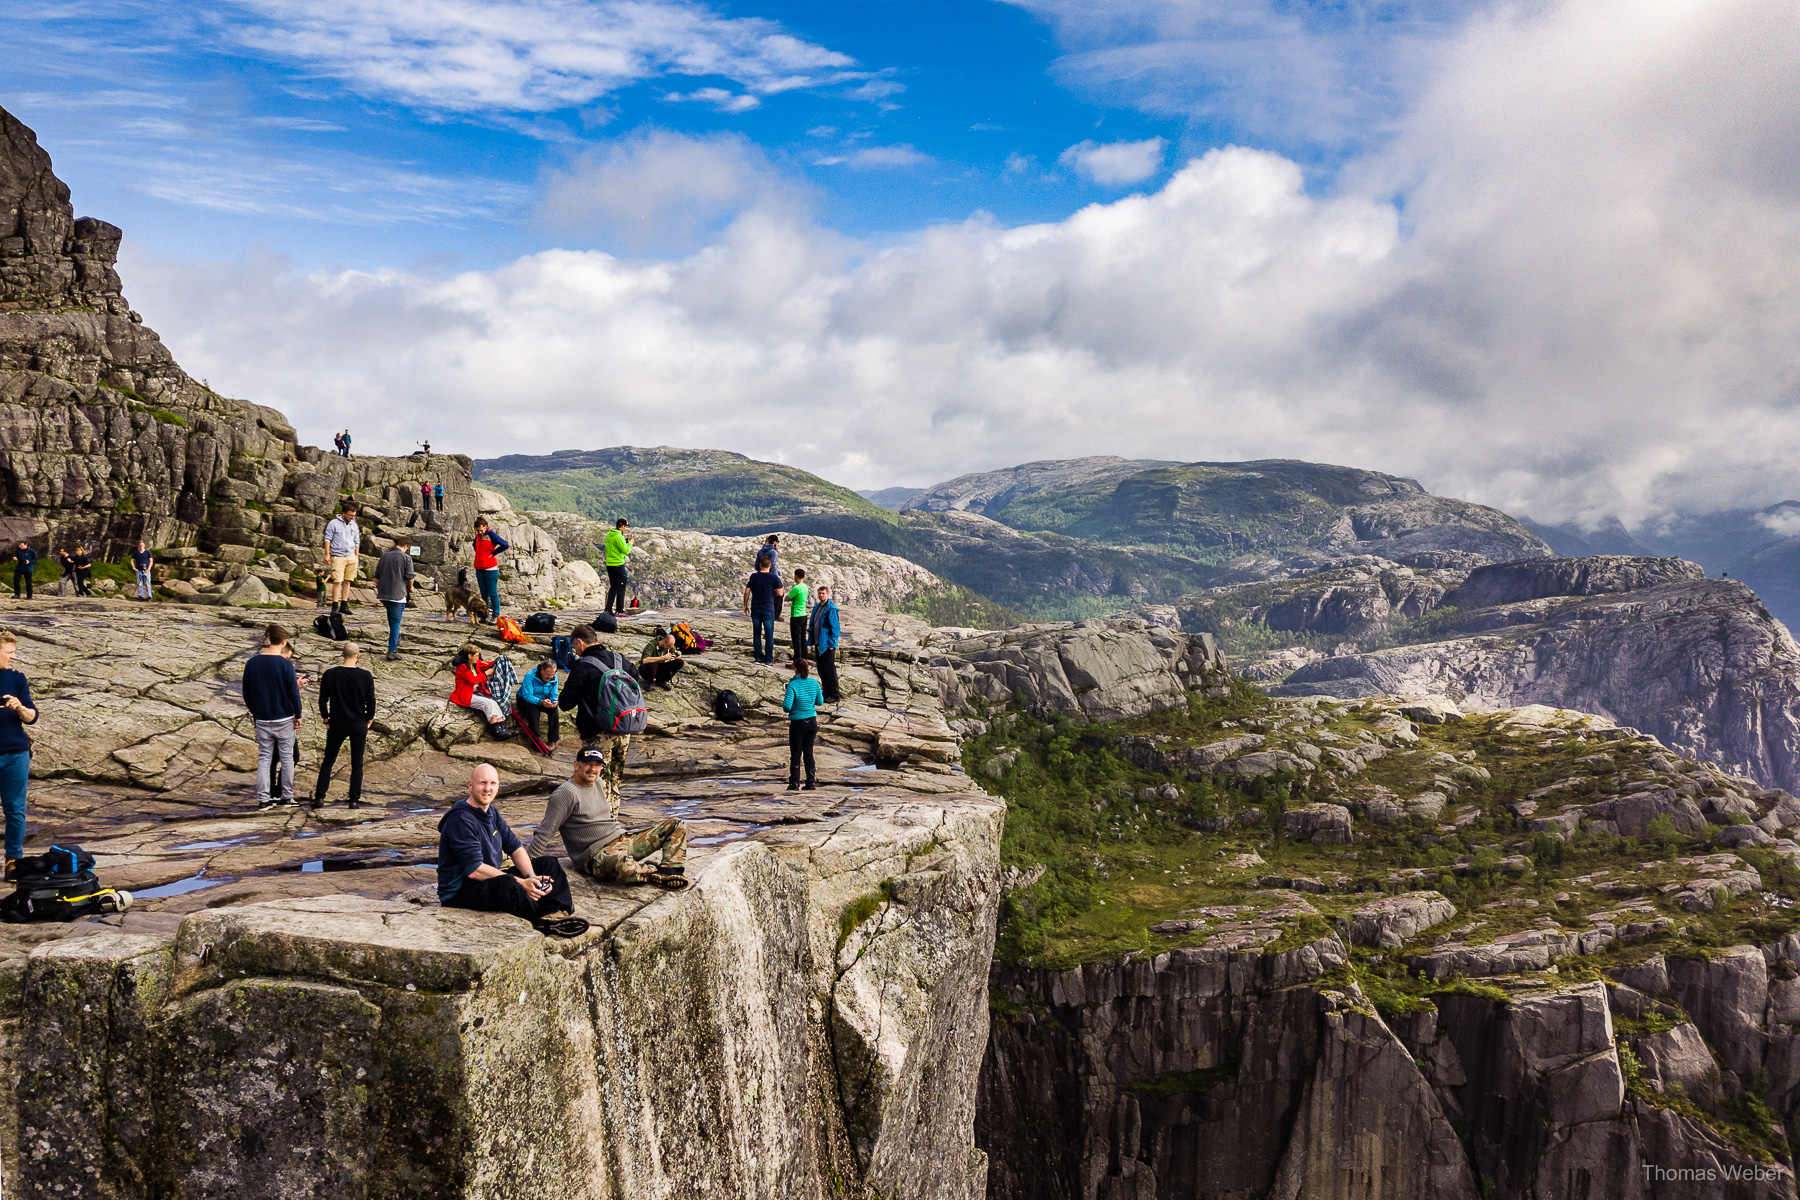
[801, 703]
[618, 549]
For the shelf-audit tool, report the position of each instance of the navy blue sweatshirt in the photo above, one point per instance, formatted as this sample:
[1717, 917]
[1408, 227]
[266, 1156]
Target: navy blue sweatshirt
[467, 838]
[271, 687]
[12, 728]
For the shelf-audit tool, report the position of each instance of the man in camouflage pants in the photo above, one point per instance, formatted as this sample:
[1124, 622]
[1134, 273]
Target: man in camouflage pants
[586, 814]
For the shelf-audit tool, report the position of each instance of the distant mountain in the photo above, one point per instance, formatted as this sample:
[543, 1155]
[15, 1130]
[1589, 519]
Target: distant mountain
[1071, 538]
[894, 497]
[1571, 541]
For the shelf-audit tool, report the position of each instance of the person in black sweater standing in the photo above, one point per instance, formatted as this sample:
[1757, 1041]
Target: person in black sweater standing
[272, 694]
[24, 562]
[347, 702]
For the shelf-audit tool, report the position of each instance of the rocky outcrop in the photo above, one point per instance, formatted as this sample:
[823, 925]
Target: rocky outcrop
[1101, 670]
[1535, 579]
[1699, 663]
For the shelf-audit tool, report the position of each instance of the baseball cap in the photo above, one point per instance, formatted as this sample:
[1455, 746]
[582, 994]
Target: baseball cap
[591, 754]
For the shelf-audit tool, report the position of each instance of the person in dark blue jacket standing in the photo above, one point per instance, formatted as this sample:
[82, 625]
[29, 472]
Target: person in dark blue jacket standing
[272, 694]
[16, 712]
[824, 634]
[24, 562]
[762, 591]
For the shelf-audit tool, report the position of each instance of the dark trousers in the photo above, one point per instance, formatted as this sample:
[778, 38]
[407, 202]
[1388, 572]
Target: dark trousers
[615, 589]
[440, 503]
[529, 713]
[81, 581]
[335, 733]
[21, 579]
[660, 672]
[762, 636]
[503, 894]
[801, 736]
[797, 634]
[828, 681]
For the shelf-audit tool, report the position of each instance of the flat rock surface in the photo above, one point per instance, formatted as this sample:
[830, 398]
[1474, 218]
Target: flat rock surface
[144, 754]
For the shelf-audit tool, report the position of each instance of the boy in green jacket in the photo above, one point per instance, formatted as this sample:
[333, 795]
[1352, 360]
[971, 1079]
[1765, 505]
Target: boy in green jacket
[618, 549]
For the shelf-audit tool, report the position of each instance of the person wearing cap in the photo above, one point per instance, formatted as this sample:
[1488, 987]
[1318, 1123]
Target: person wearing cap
[586, 815]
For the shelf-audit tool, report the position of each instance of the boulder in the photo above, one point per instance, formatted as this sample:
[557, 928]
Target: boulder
[248, 591]
[1322, 824]
[1392, 921]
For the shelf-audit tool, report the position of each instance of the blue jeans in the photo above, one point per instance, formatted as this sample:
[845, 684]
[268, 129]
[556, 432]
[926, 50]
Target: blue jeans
[395, 610]
[15, 769]
[762, 636]
[143, 582]
[488, 581]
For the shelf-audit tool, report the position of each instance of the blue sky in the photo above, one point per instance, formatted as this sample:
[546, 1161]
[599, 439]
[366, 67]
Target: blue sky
[1531, 252]
[364, 140]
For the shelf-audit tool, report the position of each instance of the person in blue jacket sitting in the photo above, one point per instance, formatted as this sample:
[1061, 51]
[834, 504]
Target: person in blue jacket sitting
[538, 695]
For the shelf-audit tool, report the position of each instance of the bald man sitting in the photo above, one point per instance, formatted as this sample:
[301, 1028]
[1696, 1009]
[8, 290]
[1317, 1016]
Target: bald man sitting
[473, 840]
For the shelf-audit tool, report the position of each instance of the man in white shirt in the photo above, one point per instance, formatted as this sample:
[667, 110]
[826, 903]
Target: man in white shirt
[343, 542]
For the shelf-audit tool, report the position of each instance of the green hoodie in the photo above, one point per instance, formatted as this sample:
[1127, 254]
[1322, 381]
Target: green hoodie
[617, 548]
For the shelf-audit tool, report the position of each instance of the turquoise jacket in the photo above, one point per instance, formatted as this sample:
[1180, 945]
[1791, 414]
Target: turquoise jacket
[533, 690]
[802, 699]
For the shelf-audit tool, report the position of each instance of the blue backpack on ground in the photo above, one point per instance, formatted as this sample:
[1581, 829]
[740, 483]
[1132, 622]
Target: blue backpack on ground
[562, 652]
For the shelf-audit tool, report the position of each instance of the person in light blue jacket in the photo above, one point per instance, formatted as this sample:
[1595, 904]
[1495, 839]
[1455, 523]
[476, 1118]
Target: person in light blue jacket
[801, 703]
[823, 636]
[537, 695]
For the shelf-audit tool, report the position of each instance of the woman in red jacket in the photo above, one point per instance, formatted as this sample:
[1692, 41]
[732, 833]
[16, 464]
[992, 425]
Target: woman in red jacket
[488, 545]
[471, 686]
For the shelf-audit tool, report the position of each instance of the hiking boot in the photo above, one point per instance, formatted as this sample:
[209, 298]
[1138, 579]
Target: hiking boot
[353, 804]
[393, 656]
[793, 785]
[812, 785]
[316, 803]
[504, 731]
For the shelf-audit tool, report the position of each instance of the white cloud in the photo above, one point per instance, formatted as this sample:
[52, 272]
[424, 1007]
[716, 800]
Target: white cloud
[877, 158]
[527, 55]
[719, 98]
[1587, 306]
[1115, 163]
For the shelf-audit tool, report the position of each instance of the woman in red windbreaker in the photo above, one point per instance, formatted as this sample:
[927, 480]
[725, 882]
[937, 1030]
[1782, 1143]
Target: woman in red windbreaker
[488, 546]
[471, 686]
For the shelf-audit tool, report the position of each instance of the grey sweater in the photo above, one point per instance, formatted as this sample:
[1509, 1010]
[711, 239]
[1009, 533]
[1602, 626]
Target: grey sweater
[584, 818]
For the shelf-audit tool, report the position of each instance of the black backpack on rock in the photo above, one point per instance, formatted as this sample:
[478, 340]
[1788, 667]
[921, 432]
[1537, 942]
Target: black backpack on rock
[727, 707]
[541, 622]
[58, 886]
[331, 625]
[606, 623]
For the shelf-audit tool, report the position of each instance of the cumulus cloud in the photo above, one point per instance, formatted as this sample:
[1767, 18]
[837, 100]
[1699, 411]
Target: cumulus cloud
[1115, 163]
[1585, 305]
[526, 55]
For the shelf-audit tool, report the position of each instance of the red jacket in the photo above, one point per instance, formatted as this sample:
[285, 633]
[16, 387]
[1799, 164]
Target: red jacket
[486, 547]
[469, 676]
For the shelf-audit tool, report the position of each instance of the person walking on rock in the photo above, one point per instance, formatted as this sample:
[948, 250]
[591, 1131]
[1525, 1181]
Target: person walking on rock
[66, 564]
[343, 543]
[581, 696]
[83, 566]
[488, 547]
[272, 694]
[16, 712]
[347, 702]
[587, 818]
[537, 701]
[393, 587]
[823, 632]
[618, 549]
[659, 660]
[801, 704]
[141, 562]
[24, 563]
[796, 600]
[761, 593]
[474, 842]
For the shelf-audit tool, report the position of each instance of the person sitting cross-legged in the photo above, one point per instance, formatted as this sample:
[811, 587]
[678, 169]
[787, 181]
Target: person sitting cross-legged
[474, 841]
[582, 811]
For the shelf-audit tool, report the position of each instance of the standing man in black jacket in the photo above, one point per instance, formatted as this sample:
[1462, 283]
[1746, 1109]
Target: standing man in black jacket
[581, 695]
[347, 702]
[24, 561]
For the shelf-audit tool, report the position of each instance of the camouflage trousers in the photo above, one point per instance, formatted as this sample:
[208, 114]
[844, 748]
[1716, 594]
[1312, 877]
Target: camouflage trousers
[622, 859]
[612, 775]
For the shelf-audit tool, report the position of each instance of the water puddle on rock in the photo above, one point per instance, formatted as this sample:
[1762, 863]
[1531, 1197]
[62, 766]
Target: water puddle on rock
[180, 887]
[237, 841]
[734, 835]
[319, 866]
[864, 767]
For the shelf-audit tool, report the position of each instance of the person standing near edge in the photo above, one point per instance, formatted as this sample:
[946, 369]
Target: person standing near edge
[823, 633]
[424, 496]
[141, 562]
[24, 563]
[796, 598]
[761, 592]
[437, 490]
[346, 443]
[801, 703]
[16, 712]
[343, 542]
[618, 549]
[272, 694]
[347, 702]
[393, 587]
[488, 547]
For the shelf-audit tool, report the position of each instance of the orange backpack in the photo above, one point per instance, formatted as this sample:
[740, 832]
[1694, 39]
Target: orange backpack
[510, 631]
